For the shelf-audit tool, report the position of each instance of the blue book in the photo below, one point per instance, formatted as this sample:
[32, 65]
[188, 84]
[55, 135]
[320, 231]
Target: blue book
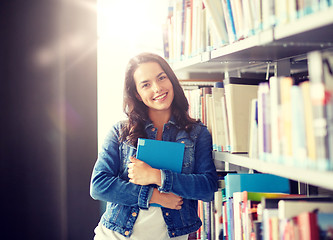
[239, 182]
[161, 154]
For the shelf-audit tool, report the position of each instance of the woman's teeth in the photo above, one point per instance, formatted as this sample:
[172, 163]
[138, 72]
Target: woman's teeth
[160, 97]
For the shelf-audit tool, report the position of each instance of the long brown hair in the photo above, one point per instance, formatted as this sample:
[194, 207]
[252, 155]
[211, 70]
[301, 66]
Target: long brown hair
[137, 111]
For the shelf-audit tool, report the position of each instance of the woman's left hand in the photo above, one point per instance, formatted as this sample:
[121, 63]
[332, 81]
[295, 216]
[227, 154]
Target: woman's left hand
[141, 173]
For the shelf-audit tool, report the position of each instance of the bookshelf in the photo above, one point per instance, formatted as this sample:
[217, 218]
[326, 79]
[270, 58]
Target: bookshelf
[278, 50]
[290, 43]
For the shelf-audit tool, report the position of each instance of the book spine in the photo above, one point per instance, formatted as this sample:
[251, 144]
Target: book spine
[321, 102]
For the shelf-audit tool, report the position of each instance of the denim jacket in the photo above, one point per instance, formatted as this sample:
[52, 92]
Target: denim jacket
[197, 181]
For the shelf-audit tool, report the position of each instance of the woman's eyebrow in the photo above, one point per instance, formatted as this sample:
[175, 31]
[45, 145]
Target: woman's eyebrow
[160, 74]
[143, 81]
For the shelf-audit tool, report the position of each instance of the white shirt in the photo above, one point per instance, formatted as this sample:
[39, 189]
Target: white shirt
[150, 225]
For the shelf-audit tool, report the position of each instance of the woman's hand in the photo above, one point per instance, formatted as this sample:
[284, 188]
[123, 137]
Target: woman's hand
[141, 173]
[168, 200]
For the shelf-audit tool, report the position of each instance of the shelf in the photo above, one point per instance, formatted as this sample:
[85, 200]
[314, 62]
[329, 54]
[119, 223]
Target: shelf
[312, 29]
[322, 179]
[281, 42]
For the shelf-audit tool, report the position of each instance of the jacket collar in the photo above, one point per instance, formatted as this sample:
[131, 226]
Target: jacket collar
[172, 121]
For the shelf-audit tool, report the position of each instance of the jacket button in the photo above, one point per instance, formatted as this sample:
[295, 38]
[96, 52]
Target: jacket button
[126, 233]
[167, 214]
[153, 129]
[173, 234]
[134, 214]
[182, 142]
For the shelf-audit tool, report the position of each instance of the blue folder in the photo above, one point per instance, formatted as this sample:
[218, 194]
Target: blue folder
[161, 154]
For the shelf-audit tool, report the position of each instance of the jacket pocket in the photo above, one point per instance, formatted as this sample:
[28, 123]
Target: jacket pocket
[188, 161]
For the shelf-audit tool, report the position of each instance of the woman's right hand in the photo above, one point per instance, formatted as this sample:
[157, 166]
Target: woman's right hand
[168, 200]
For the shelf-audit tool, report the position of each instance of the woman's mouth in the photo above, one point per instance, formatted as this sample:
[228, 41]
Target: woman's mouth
[160, 97]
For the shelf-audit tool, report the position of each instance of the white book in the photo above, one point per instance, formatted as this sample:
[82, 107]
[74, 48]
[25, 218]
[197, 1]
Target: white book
[239, 94]
[288, 209]
[267, 215]
[237, 199]
[214, 14]
[226, 146]
[218, 129]
[276, 115]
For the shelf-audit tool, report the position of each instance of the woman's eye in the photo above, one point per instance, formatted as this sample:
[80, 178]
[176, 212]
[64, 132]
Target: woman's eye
[162, 77]
[145, 85]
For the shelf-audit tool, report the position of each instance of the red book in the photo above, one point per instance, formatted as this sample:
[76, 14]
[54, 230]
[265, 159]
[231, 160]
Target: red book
[307, 226]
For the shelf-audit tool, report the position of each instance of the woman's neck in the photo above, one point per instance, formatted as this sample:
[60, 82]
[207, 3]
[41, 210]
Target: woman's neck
[159, 118]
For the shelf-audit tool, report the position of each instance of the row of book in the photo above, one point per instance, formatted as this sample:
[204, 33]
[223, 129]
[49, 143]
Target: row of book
[195, 26]
[294, 121]
[281, 120]
[225, 110]
[260, 206]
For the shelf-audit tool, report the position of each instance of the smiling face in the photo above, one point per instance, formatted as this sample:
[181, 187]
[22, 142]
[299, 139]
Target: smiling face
[154, 87]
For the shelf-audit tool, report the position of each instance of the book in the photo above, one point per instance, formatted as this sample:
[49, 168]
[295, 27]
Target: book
[229, 20]
[215, 14]
[239, 182]
[264, 122]
[237, 201]
[307, 225]
[239, 93]
[286, 137]
[267, 216]
[308, 118]
[226, 146]
[253, 135]
[218, 213]
[218, 133]
[161, 154]
[273, 203]
[289, 209]
[321, 78]
[298, 127]
[248, 18]
[209, 112]
[203, 103]
[325, 225]
[276, 116]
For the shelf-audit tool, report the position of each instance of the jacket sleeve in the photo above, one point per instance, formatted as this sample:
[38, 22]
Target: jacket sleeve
[106, 183]
[202, 183]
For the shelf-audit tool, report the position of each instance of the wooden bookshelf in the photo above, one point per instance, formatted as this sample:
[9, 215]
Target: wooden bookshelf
[318, 178]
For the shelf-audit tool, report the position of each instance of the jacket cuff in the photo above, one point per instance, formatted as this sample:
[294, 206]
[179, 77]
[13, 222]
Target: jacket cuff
[166, 181]
[144, 196]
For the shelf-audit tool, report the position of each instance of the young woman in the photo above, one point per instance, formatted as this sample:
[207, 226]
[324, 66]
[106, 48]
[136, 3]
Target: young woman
[156, 107]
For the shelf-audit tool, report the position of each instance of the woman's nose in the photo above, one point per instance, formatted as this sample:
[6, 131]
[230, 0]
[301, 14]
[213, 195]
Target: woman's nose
[156, 87]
